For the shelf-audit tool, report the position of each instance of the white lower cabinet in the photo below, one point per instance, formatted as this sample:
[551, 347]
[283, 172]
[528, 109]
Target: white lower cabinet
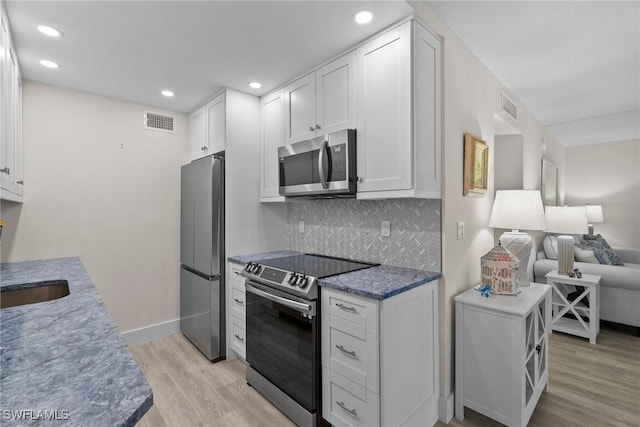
[236, 310]
[502, 353]
[380, 358]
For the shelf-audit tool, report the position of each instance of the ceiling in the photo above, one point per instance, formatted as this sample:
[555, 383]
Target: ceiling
[134, 49]
[575, 65]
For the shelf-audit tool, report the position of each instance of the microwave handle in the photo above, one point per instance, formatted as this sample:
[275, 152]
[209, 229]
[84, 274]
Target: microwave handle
[322, 160]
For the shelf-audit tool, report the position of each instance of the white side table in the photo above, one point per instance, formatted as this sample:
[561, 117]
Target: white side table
[502, 353]
[585, 303]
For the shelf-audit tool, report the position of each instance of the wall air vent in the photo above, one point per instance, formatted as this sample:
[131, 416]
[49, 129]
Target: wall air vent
[159, 122]
[509, 107]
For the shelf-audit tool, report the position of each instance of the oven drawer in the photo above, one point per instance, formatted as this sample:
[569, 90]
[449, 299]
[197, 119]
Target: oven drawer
[238, 336]
[347, 403]
[354, 308]
[352, 351]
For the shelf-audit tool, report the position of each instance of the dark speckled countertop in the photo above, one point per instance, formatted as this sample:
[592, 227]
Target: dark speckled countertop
[65, 359]
[380, 282]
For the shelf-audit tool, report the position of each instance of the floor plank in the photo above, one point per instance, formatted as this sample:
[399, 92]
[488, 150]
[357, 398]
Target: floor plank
[590, 385]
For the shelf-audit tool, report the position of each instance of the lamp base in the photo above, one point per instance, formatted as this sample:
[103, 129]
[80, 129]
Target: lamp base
[565, 254]
[521, 245]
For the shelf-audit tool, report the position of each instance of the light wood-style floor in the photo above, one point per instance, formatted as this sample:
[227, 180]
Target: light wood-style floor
[590, 385]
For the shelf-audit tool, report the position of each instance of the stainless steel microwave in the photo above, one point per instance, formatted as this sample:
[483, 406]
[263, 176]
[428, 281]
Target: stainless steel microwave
[320, 167]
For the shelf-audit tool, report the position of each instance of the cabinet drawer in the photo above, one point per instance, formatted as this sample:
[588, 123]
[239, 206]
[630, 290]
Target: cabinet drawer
[238, 336]
[237, 300]
[352, 351]
[346, 403]
[354, 308]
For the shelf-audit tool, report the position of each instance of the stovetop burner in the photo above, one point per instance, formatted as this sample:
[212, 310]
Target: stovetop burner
[298, 274]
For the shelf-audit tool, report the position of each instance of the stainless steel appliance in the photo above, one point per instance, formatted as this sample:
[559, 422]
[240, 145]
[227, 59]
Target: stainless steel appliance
[283, 330]
[202, 316]
[324, 166]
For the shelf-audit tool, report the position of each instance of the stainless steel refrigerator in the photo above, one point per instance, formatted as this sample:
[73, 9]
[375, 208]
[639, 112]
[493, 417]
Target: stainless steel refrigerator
[202, 317]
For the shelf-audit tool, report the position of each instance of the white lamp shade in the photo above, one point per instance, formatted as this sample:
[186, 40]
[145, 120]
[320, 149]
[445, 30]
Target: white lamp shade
[566, 219]
[594, 213]
[518, 210]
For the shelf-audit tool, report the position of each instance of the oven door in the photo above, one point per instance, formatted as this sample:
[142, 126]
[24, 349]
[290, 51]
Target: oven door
[283, 342]
[324, 165]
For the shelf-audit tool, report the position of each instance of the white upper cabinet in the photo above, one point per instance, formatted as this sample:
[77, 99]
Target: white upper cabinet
[197, 133]
[322, 101]
[207, 132]
[271, 137]
[11, 180]
[398, 118]
[216, 124]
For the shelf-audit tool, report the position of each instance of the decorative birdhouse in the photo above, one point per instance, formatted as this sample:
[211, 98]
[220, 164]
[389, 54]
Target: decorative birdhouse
[500, 270]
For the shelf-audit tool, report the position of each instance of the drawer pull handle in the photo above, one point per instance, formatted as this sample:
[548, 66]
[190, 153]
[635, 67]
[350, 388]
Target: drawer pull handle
[236, 272]
[346, 307]
[239, 338]
[344, 350]
[238, 301]
[352, 412]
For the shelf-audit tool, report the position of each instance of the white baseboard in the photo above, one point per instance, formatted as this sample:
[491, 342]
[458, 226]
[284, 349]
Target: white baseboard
[152, 332]
[445, 408]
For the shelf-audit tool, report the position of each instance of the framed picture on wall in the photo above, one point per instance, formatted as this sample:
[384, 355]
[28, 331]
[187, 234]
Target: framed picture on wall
[476, 166]
[549, 187]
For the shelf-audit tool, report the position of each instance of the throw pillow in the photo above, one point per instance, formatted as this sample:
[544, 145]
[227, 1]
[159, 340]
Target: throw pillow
[550, 245]
[595, 240]
[601, 249]
[584, 253]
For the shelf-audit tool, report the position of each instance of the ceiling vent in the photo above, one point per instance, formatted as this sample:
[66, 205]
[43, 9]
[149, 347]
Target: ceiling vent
[159, 122]
[509, 107]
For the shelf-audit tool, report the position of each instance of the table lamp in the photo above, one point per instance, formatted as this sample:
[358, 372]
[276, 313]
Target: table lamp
[594, 214]
[519, 210]
[566, 220]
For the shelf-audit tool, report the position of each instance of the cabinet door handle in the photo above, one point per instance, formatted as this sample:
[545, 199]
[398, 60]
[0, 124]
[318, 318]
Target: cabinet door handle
[238, 301]
[353, 412]
[311, 128]
[346, 307]
[344, 350]
[6, 170]
[538, 348]
[236, 272]
[239, 338]
[317, 127]
[21, 182]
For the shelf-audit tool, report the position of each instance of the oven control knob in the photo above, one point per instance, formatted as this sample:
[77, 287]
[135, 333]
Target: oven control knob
[303, 281]
[292, 279]
[257, 268]
[248, 267]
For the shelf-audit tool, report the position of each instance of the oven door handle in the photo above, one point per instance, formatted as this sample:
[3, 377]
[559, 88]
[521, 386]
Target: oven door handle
[299, 306]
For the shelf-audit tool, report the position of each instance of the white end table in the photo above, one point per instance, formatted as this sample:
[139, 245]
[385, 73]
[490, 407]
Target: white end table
[584, 304]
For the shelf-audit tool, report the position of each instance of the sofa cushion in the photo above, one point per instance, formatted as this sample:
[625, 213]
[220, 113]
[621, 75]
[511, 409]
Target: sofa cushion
[583, 254]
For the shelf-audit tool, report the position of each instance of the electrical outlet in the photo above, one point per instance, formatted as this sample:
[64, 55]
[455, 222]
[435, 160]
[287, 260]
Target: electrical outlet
[301, 226]
[385, 228]
[460, 230]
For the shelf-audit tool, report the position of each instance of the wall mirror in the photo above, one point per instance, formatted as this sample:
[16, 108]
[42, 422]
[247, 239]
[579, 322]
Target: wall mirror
[549, 183]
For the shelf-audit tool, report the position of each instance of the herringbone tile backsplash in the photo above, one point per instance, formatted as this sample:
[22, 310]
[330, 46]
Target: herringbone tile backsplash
[350, 228]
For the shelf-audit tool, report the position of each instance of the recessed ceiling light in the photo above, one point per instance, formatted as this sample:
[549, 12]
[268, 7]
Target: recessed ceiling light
[48, 64]
[363, 17]
[49, 31]
[167, 93]
[255, 85]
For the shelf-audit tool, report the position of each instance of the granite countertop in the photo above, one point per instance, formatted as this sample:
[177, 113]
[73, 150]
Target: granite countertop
[65, 358]
[380, 282]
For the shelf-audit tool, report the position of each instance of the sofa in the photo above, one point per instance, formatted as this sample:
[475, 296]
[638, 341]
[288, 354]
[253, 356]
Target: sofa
[619, 284]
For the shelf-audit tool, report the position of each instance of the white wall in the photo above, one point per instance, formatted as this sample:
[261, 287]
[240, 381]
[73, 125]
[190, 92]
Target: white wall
[609, 175]
[471, 97]
[99, 186]
[509, 160]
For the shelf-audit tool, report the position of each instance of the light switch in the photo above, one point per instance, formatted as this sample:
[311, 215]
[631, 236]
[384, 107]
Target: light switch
[385, 228]
[460, 230]
[301, 226]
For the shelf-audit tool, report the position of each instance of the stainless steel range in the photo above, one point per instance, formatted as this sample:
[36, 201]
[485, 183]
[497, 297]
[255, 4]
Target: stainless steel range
[283, 330]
